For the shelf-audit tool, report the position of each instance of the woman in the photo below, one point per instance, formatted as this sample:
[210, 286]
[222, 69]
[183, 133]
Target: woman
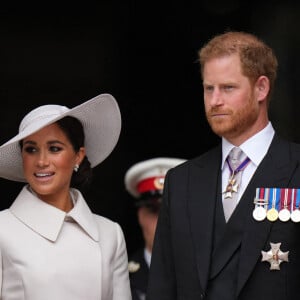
[51, 245]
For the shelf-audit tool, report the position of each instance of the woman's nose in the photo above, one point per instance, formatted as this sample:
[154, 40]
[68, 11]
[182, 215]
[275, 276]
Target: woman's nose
[43, 159]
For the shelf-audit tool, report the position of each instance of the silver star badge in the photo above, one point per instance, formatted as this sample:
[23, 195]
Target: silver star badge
[232, 187]
[275, 256]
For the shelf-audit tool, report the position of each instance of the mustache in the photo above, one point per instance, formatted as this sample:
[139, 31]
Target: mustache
[217, 110]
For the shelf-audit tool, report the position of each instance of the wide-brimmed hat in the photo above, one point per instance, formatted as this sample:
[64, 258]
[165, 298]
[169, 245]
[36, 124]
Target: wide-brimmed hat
[101, 120]
[145, 180]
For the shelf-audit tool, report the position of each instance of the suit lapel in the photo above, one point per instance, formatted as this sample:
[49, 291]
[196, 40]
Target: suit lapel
[203, 187]
[276, 170]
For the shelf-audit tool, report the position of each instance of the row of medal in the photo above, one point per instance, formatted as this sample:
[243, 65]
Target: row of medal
[277, 203]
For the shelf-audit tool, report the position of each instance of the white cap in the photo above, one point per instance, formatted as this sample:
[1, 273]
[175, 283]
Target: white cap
[148, 176]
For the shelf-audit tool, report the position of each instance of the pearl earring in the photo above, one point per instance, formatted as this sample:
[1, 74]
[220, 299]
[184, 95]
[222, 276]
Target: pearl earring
[76, 167]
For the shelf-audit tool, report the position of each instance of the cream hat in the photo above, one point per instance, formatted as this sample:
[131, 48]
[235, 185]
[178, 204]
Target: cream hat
[101, 120]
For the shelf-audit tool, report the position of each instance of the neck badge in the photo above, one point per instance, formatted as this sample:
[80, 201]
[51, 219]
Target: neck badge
[232, 185]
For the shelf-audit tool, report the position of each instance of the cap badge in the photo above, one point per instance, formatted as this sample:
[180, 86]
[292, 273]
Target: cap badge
[159, 183]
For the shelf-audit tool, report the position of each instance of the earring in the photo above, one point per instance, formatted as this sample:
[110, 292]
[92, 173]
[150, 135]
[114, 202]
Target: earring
[76, 167]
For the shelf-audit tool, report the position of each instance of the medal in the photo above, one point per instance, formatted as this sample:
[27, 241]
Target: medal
[272, 213]
[284, 214]
[259, 212]
[295, 215]
[232, 186]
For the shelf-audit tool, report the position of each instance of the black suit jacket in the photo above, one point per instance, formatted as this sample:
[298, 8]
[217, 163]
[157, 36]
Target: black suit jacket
[182, 257]
[139, 278]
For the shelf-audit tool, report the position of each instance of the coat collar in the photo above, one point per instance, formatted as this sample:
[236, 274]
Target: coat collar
[47, 220]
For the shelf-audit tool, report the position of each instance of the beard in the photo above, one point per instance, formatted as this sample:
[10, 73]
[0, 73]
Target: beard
[236, 122]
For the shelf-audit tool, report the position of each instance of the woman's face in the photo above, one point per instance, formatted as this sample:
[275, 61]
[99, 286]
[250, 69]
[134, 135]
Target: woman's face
[48, 163]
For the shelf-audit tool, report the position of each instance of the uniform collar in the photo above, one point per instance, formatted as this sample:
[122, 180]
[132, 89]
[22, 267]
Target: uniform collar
[48, 220]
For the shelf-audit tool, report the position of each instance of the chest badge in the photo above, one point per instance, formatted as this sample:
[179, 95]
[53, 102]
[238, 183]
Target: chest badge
[275, 256]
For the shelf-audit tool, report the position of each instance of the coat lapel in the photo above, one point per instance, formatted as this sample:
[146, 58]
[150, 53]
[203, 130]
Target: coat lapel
[203, 187]
[276, 170]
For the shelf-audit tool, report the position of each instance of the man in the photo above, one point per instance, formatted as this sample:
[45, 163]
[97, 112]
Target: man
[218, 235]
[145, 181]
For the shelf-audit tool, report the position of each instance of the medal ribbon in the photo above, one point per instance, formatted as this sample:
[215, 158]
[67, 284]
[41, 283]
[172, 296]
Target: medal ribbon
[261, 193]
[261, 198]
[241, 167]
[275, 200]
[293, 200]
[267, 195]
[296, 201]
[285, 198]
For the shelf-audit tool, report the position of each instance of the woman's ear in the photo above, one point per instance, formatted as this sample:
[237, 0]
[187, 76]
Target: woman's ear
[80, 155]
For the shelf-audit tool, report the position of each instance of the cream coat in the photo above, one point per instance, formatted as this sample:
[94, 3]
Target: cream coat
[47, 254]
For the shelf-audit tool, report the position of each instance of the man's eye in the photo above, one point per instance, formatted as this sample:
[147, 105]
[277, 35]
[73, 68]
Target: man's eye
[209, 88]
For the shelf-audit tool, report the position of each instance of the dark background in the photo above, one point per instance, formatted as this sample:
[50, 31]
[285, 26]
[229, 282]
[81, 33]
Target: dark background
[145, 54]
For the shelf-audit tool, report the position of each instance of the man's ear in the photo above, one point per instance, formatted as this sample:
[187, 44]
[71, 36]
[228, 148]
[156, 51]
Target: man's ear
[262, 88]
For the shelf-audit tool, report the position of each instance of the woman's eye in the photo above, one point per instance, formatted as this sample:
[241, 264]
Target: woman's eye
[30, 149]
[55, 149]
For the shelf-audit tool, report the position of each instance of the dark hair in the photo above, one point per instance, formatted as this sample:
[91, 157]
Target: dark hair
[73, 129]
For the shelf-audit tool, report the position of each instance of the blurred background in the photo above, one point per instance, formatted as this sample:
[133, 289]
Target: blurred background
[145, 54]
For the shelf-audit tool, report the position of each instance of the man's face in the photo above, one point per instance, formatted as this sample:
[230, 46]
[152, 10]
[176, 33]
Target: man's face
[229, 98]
[148, 221]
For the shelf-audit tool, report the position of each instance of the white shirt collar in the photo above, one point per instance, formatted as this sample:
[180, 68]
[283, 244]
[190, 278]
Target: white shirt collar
[147, 256]
[249, 147]
[48, 220]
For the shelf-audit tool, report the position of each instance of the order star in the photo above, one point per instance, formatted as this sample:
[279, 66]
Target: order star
[275, 256]
[231, 188]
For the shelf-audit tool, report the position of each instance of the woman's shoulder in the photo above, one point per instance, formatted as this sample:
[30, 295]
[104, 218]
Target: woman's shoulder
[110, 232]
[7, 221]
[4, 215]
[105, 223]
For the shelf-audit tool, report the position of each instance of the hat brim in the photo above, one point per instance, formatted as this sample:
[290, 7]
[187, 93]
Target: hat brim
[101, 121]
